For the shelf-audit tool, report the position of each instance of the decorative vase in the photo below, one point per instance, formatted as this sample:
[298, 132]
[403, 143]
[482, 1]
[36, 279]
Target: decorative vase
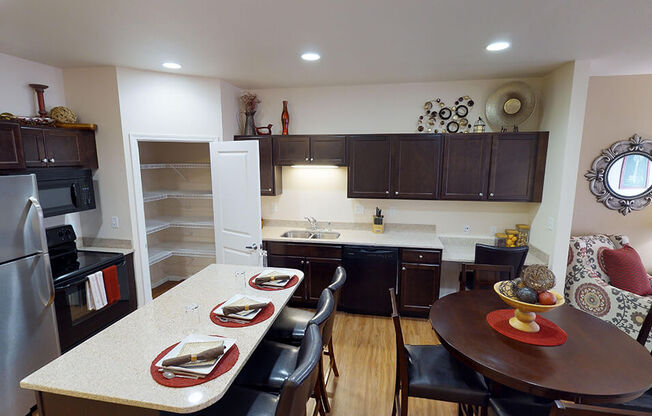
[285, 118]
[250, 125]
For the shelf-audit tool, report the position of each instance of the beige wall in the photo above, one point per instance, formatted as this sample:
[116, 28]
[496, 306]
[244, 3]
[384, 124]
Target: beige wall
[617, 107]
[230, 96]
[391, 108]
[93, 93]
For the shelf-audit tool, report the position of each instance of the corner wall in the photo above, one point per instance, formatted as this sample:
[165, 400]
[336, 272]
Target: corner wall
[617, 107]
[564, 102]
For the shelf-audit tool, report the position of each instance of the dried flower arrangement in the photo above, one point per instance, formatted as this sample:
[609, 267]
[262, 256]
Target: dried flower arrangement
[249, 102]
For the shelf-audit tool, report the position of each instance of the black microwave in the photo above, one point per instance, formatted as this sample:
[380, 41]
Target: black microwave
[63, 190]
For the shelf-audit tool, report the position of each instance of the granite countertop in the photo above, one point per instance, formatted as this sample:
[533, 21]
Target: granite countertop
[113, 366]
[402, 236]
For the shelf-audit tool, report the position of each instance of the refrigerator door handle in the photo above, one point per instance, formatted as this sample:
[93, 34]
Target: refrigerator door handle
[44, 249]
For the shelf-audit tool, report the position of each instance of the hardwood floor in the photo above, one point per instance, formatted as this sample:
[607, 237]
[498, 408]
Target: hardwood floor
[159, 290]
[365, 354]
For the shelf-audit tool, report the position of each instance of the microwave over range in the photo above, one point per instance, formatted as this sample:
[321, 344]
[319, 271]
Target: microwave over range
[62, 190]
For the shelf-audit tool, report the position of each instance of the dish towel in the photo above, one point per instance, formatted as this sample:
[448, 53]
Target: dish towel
[90, 304]
[111, 284]
[99, 279]
[95, 287]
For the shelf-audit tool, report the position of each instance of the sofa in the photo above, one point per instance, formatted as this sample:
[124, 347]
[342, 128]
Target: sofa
[587, 286]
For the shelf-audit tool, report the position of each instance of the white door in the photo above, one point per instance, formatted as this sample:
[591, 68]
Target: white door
[235, 174]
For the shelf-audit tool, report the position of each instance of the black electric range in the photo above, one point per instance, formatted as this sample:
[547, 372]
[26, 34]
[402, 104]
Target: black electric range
[70, 270]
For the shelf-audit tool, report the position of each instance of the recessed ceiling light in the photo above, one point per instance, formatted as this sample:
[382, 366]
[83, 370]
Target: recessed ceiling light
[498, 46]
[310, 56]
[171, 65]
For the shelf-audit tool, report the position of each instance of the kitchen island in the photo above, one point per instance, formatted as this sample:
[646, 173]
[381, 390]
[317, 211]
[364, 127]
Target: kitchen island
[109, 374]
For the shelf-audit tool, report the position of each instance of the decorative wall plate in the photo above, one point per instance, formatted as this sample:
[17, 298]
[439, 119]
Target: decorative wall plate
[453, 127]
[462, 110]
[510, 105]
[445, 113]
[621, 177]
[452, 119]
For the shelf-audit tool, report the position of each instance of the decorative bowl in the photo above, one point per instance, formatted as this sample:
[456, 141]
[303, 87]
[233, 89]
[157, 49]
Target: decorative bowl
[525, 313]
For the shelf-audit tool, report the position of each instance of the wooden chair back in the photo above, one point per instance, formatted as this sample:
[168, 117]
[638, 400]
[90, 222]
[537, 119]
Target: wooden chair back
[645, 329]
[572, 409]
[485, 275]
[401, 358]
[486, 254]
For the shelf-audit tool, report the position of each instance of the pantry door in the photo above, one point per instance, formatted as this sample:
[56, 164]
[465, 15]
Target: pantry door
[235, 175]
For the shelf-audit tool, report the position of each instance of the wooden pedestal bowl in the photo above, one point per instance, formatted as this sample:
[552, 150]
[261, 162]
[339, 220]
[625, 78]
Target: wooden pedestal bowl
[525, 313]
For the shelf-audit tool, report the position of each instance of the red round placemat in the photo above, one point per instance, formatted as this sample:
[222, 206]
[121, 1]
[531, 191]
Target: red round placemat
[265, 313]
[549, 335]
[290, 283]
[225, 364]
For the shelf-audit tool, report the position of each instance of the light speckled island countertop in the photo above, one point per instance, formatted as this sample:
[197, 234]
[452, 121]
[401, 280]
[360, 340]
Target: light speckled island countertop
[113, 366]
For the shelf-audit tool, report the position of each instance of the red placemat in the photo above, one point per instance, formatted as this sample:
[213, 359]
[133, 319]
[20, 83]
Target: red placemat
[549, 335]
[290, 283]
[225, 364]
[265, 313]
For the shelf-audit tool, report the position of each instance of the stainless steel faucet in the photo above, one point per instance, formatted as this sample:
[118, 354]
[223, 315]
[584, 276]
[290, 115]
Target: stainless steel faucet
[313, 223]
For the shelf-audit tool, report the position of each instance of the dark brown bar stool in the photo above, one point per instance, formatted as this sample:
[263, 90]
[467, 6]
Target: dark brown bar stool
[430, 372]
[272, 362]
[295, 390]
[335, 287]
[484, 276]
[486, 254]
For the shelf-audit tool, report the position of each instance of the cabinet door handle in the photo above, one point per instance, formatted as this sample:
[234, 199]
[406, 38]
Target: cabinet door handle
[269, 189]
[387, 192]
[307, 262]
[420, 256]
[45, 160]
[491, 194]
[302, 262]
[395, 192]
[312, 158]
[52, 160]
[306, 159]
[480, 194]
[403, 268]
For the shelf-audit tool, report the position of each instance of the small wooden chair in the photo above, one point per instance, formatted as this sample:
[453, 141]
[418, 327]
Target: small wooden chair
[430, 372]
[485, 275]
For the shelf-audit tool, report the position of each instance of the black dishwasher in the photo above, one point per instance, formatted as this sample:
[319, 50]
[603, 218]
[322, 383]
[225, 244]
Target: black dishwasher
[370, 272]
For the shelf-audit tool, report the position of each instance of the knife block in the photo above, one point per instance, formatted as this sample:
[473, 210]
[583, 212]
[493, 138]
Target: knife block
[378, 226]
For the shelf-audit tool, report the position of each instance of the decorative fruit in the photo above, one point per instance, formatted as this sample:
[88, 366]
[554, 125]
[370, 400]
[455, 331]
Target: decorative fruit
[547, 298]
[526, 294]
[517, 283]
[538, 277]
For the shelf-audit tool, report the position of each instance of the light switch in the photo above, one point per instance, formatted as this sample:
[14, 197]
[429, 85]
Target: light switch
[551, 223]
[115, 223]
[358, 209]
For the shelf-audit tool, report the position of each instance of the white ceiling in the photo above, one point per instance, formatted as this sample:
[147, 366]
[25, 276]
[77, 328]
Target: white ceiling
[256, 44]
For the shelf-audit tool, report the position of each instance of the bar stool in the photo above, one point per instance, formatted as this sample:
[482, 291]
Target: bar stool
[272, 362]
[486, 254]
[430, 372]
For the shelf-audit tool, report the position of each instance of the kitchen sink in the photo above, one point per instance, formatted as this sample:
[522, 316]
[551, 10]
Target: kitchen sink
[325, 235]
[297, 234]
[317, 235]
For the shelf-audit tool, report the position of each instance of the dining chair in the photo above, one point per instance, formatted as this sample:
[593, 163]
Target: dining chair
[291, 323]
[430, 372]
[295, 389]
[499, 407]
[515, 256]
[272, 362]
[484, 276]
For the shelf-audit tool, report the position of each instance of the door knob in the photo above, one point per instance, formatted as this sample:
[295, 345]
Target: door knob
[253, 246]
[52, 160]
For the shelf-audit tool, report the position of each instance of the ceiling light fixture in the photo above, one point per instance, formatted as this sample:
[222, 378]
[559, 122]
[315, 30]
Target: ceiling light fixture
[171, 65]
[310, 56]
[498, 46]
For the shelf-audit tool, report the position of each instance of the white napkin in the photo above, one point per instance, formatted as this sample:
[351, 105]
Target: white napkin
[204, 370]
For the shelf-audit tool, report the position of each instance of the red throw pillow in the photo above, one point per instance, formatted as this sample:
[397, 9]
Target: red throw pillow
[626, 271]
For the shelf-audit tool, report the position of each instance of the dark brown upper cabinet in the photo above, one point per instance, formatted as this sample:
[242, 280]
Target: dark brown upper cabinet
[270, 175]
[291, 150]
[465, 170]
[368, 166]
[303, 150]
[514, 166]
[415, 166]
[11, 150]
[52, 147]
[328, 150]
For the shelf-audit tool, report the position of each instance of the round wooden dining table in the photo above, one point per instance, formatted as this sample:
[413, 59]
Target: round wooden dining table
[597, 364]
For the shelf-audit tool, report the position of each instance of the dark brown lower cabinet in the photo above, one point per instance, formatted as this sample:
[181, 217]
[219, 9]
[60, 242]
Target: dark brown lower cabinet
[321, 274]
[419, 288]
[291, 262]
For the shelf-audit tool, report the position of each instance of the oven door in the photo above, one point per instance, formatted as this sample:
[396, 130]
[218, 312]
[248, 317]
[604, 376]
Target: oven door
[75, 321]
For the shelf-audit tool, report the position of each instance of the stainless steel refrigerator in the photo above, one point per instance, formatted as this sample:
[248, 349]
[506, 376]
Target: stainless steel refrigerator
[28, 327]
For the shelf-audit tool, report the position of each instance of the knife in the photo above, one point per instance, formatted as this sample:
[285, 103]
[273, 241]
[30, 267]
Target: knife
[206, 355]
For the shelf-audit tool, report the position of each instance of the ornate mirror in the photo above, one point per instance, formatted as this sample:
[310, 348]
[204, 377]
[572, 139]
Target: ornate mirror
[621, 177]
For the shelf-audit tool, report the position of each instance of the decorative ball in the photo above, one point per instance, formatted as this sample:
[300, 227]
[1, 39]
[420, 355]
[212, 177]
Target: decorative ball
[517, 283]
[63, 115]
[506, 288]
[539, 277]
[526, 294]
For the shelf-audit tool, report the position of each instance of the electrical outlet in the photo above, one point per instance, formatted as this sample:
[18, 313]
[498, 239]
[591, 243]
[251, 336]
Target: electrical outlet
[274, 207]
[392, 212]
[493, 230]
[358, 209]
[467, 229]
[115, 223]
[551, 223]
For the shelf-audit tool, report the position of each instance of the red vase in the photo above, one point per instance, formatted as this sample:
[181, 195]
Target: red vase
[285, 118]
